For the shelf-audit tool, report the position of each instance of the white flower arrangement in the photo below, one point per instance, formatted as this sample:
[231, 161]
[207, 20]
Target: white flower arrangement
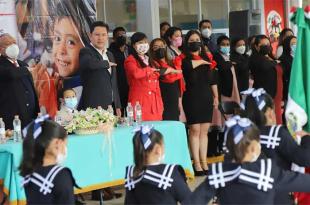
[90, 119]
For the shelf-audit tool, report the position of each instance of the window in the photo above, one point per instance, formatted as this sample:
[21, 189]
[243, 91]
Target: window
[164, 11]
[118, 13]
[185, 14]
[239, 5]
[216, 11]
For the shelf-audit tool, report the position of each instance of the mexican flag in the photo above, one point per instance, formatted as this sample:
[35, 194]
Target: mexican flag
[298, 106]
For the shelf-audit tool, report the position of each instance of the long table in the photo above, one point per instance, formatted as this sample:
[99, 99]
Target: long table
[97, 161]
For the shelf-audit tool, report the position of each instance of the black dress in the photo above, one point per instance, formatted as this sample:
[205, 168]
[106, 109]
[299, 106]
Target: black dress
[57, 189]
[198, 97]
[286, 64]
[279, 145]
[158, 184]
[242, 70]
[248, 183]
[264, 73]
[170, 93]
[225, 79]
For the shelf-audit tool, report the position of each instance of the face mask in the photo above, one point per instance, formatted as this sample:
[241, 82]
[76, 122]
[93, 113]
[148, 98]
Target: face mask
[240, 50]
[143, 48]
[177, 42]
[264, 50]
[206, 33]
[255, 156]
[249, 53]
[71, 102]
[12, 51]
[161, 159]
[160, 53]
[225, 50]
[61, 157]
[293, 50]
[120, 41]
[194, 46]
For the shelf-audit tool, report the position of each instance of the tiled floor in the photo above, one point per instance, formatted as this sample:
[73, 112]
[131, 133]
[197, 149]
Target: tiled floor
[192, 184]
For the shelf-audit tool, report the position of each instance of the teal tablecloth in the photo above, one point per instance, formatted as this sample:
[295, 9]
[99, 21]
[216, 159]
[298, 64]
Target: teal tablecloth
[97, 162]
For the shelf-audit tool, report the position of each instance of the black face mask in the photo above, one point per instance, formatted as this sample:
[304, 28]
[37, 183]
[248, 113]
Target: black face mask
[194, 46]
[120, 41]
[264, 50]
[160, 53]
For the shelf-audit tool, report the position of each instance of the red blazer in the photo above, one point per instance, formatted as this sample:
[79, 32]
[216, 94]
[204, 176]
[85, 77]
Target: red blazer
[171, 78]
[144, 87]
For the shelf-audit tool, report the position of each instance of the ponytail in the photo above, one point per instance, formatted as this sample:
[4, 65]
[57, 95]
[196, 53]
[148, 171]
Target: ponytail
[253, 112]
[140, 153]
[34, 147]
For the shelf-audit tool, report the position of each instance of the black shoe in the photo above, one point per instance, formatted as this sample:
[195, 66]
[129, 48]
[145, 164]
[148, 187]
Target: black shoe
[199, 173]
[206, 172]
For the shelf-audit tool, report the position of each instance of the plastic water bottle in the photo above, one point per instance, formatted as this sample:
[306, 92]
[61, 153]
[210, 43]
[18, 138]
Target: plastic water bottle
[2, 131]
[138, 110]
[58, 118]
[129, 111]
[17, 136]
[110, 110]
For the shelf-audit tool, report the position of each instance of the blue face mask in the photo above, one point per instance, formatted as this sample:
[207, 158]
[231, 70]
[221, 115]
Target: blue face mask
[293, 50]
[225, 50]
[71, 102]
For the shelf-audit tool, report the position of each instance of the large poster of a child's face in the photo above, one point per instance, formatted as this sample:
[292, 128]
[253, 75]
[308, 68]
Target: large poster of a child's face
[51, 34]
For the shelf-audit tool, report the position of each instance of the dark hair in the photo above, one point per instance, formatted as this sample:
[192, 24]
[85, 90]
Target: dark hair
[204, 21]
[98, 24]
[287, 45]
[252, 111]
[234, 41]
[81, 12]
[152, 54]
[258, 39]
[282, 34]
[117, 29]
[140, 154]
[34, 149]
[162, 24]
[170, 32]
[250, 44]
[67, 89]
[138, 36]
[187, 53]
[221, 38]
[238, 151]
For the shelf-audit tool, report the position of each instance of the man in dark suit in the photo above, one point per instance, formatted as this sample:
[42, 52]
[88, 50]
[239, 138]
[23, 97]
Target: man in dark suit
[17, 93]
[98, 72]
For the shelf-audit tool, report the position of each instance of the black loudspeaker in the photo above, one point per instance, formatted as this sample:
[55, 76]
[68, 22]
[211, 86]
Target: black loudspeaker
[244, 23]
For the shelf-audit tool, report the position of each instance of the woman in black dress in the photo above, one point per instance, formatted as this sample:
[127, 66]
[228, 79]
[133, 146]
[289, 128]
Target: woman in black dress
[150, 181]
[289, 47]
[263, 66]
[199, 97]
[240, 60]
[171, 85]
[43, 152]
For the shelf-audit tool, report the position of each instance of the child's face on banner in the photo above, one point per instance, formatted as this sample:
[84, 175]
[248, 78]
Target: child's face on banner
[66, 47]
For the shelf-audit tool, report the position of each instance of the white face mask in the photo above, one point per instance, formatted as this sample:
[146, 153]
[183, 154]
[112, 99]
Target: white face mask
[206, 33]
[61, 157]
[161, 159]
[249, 53]
[255, 156]
[12, 51]
[143, 48]
[240, 50]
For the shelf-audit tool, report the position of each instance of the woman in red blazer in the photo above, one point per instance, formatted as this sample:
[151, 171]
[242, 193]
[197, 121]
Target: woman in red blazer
[143, 80]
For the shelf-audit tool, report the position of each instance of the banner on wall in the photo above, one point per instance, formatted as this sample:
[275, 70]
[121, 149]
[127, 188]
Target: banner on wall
[274, 17]
[50, 34]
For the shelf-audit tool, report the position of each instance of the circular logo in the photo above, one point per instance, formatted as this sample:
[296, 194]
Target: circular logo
[274, 21]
